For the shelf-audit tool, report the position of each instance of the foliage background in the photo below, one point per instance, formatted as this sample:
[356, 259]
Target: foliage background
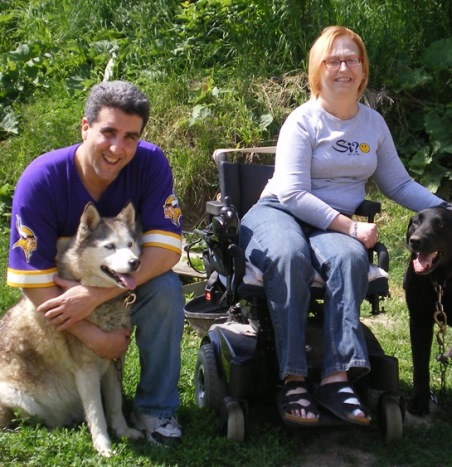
[218, 73]
[224, 73]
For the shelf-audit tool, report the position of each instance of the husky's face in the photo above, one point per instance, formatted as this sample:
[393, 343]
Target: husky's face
[106, 249]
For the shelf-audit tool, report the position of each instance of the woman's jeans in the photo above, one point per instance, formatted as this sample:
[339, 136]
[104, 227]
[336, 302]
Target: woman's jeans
[287, 251]
[158, 315]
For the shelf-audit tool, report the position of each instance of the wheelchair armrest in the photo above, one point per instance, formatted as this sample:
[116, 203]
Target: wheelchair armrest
[382, 256]
[368, 209]
[213, 208]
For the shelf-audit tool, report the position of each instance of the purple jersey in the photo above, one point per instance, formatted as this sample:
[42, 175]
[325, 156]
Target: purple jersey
[50, 198]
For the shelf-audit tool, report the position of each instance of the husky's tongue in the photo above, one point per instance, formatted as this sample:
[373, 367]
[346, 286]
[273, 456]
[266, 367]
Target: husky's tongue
[423, 262]
[127, 281]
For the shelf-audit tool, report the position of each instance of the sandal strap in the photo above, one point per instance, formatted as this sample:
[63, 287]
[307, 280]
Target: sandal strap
[346, 401]
[290, 401]
[345, 396]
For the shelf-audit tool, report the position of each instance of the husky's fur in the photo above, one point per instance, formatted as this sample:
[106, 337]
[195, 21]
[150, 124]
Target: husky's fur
[52, 375]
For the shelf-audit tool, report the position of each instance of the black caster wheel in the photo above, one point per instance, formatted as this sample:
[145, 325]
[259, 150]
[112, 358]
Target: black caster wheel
[235, 421]
[391, 418]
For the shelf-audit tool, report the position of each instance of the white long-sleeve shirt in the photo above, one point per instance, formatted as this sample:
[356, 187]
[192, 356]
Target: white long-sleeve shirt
[323, 163]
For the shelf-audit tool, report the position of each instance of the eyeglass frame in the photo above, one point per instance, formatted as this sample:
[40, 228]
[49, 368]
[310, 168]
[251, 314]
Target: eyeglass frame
[343, 61]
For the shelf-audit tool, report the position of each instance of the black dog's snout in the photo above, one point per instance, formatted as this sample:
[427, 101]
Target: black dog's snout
[415, 242]
[134, 264]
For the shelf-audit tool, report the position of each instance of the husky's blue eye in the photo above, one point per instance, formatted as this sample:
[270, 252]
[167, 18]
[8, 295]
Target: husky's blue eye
[109, 246]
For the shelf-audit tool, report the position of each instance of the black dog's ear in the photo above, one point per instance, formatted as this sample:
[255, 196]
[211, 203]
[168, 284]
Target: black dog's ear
[410, 229]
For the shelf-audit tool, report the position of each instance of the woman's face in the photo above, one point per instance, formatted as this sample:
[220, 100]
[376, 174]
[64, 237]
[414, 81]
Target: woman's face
[343, 80]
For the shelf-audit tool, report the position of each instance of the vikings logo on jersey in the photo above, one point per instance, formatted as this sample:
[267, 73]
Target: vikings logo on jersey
[27, 241]
[172, 210]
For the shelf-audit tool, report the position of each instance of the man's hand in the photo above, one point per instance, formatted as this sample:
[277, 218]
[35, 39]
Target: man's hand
[74, 304]
[110, 345]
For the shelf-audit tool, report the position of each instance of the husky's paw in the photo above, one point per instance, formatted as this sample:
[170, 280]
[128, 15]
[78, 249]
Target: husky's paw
[103, 447]
[130, 433]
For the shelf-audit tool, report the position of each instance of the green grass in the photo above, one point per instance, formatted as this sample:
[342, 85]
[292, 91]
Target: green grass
[223, 73]
[268, 441]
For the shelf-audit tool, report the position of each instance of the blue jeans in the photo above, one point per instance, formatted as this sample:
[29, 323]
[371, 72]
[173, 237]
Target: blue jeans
[158, 315]
[288, 252]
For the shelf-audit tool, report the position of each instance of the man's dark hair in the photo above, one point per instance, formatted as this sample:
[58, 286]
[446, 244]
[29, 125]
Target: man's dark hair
[120, 95]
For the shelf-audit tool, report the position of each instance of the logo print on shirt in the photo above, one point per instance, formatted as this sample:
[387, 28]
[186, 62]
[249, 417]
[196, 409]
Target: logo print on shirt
[351, 147]
[172, 210]
[27, 241]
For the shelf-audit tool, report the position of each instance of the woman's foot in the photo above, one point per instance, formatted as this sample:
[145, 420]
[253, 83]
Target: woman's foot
[339, 397]
[296, 405]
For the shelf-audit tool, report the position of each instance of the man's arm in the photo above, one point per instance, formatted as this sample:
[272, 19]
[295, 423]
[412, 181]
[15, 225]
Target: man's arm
[109, 345]
[67, 310]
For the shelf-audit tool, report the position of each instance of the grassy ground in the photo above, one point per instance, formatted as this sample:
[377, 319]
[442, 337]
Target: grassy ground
[268, 441]
[222, 74]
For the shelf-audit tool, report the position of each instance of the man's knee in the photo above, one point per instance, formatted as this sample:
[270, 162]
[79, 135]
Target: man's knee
[162, 294]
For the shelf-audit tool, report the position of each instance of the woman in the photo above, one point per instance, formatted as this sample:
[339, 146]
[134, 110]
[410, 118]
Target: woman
[327, 150]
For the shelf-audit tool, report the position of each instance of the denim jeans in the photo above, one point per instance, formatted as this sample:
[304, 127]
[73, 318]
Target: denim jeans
[288, 252]
[158, 315]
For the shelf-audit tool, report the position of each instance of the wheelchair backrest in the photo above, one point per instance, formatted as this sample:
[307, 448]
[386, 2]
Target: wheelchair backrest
[243, 183]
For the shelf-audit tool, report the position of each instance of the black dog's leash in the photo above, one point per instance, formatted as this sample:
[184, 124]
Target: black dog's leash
[440, 318]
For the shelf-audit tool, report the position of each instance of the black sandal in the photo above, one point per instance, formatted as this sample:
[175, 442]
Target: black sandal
[341, 400]
[289, 402]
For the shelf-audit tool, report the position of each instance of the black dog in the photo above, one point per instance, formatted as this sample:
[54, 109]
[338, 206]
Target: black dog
[429, 238]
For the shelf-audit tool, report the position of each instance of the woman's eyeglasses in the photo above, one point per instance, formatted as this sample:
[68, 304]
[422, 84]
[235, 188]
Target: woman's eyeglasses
[334, 63]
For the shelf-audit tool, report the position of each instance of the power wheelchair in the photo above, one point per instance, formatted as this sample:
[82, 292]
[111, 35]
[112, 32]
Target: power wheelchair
[236, 361]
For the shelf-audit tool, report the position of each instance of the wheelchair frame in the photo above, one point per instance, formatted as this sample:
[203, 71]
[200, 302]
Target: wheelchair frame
[236, 360]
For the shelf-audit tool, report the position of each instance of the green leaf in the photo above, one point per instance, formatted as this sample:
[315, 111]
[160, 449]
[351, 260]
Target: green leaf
[433, 176]
[265, 121]
[9, 123]
[438, 54]
[438, 127]
[413, 79]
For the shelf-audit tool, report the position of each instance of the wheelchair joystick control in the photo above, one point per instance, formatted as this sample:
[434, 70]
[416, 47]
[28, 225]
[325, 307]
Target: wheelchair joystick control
[225, 226]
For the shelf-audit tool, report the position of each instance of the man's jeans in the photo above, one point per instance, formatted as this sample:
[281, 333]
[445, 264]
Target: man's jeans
[287, 251]
[158, 315]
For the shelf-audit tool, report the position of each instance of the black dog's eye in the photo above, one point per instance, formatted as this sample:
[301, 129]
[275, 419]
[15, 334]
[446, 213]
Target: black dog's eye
[415, 221]
[438, 224]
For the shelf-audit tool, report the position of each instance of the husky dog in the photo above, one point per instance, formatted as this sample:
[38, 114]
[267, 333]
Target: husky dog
[52, 375]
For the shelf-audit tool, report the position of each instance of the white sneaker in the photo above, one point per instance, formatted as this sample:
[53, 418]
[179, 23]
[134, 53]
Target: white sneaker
[158, 430]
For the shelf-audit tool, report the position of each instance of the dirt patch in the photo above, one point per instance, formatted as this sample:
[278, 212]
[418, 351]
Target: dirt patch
[327, 450]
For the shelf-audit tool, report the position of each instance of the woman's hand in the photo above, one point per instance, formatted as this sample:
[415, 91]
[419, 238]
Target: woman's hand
[365, 232]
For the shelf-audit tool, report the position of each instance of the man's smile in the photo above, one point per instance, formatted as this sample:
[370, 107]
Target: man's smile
[110, 160]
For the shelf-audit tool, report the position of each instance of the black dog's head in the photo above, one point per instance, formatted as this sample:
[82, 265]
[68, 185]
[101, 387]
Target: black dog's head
[429, 238]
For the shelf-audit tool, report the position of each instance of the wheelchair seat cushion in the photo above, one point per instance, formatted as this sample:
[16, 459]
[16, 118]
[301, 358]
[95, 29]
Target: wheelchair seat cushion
[253, 276]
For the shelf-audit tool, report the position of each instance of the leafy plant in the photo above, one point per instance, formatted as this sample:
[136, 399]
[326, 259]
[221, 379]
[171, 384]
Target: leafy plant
[425, 102]
[6, 194]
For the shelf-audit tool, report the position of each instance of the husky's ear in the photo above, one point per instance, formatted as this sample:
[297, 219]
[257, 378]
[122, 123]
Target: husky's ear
[128, 215]
[90, 218]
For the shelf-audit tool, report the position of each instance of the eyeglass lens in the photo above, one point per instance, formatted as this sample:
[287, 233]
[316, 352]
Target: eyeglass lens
[335, 62]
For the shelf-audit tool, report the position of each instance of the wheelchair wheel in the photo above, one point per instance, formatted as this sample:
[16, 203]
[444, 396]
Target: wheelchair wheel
[210, 388]
[390, 418]
[235, 421]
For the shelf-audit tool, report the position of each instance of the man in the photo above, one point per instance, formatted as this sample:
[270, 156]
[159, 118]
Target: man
[110, 167]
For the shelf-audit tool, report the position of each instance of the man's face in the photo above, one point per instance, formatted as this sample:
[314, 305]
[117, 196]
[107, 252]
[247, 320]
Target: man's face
[109, 144]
